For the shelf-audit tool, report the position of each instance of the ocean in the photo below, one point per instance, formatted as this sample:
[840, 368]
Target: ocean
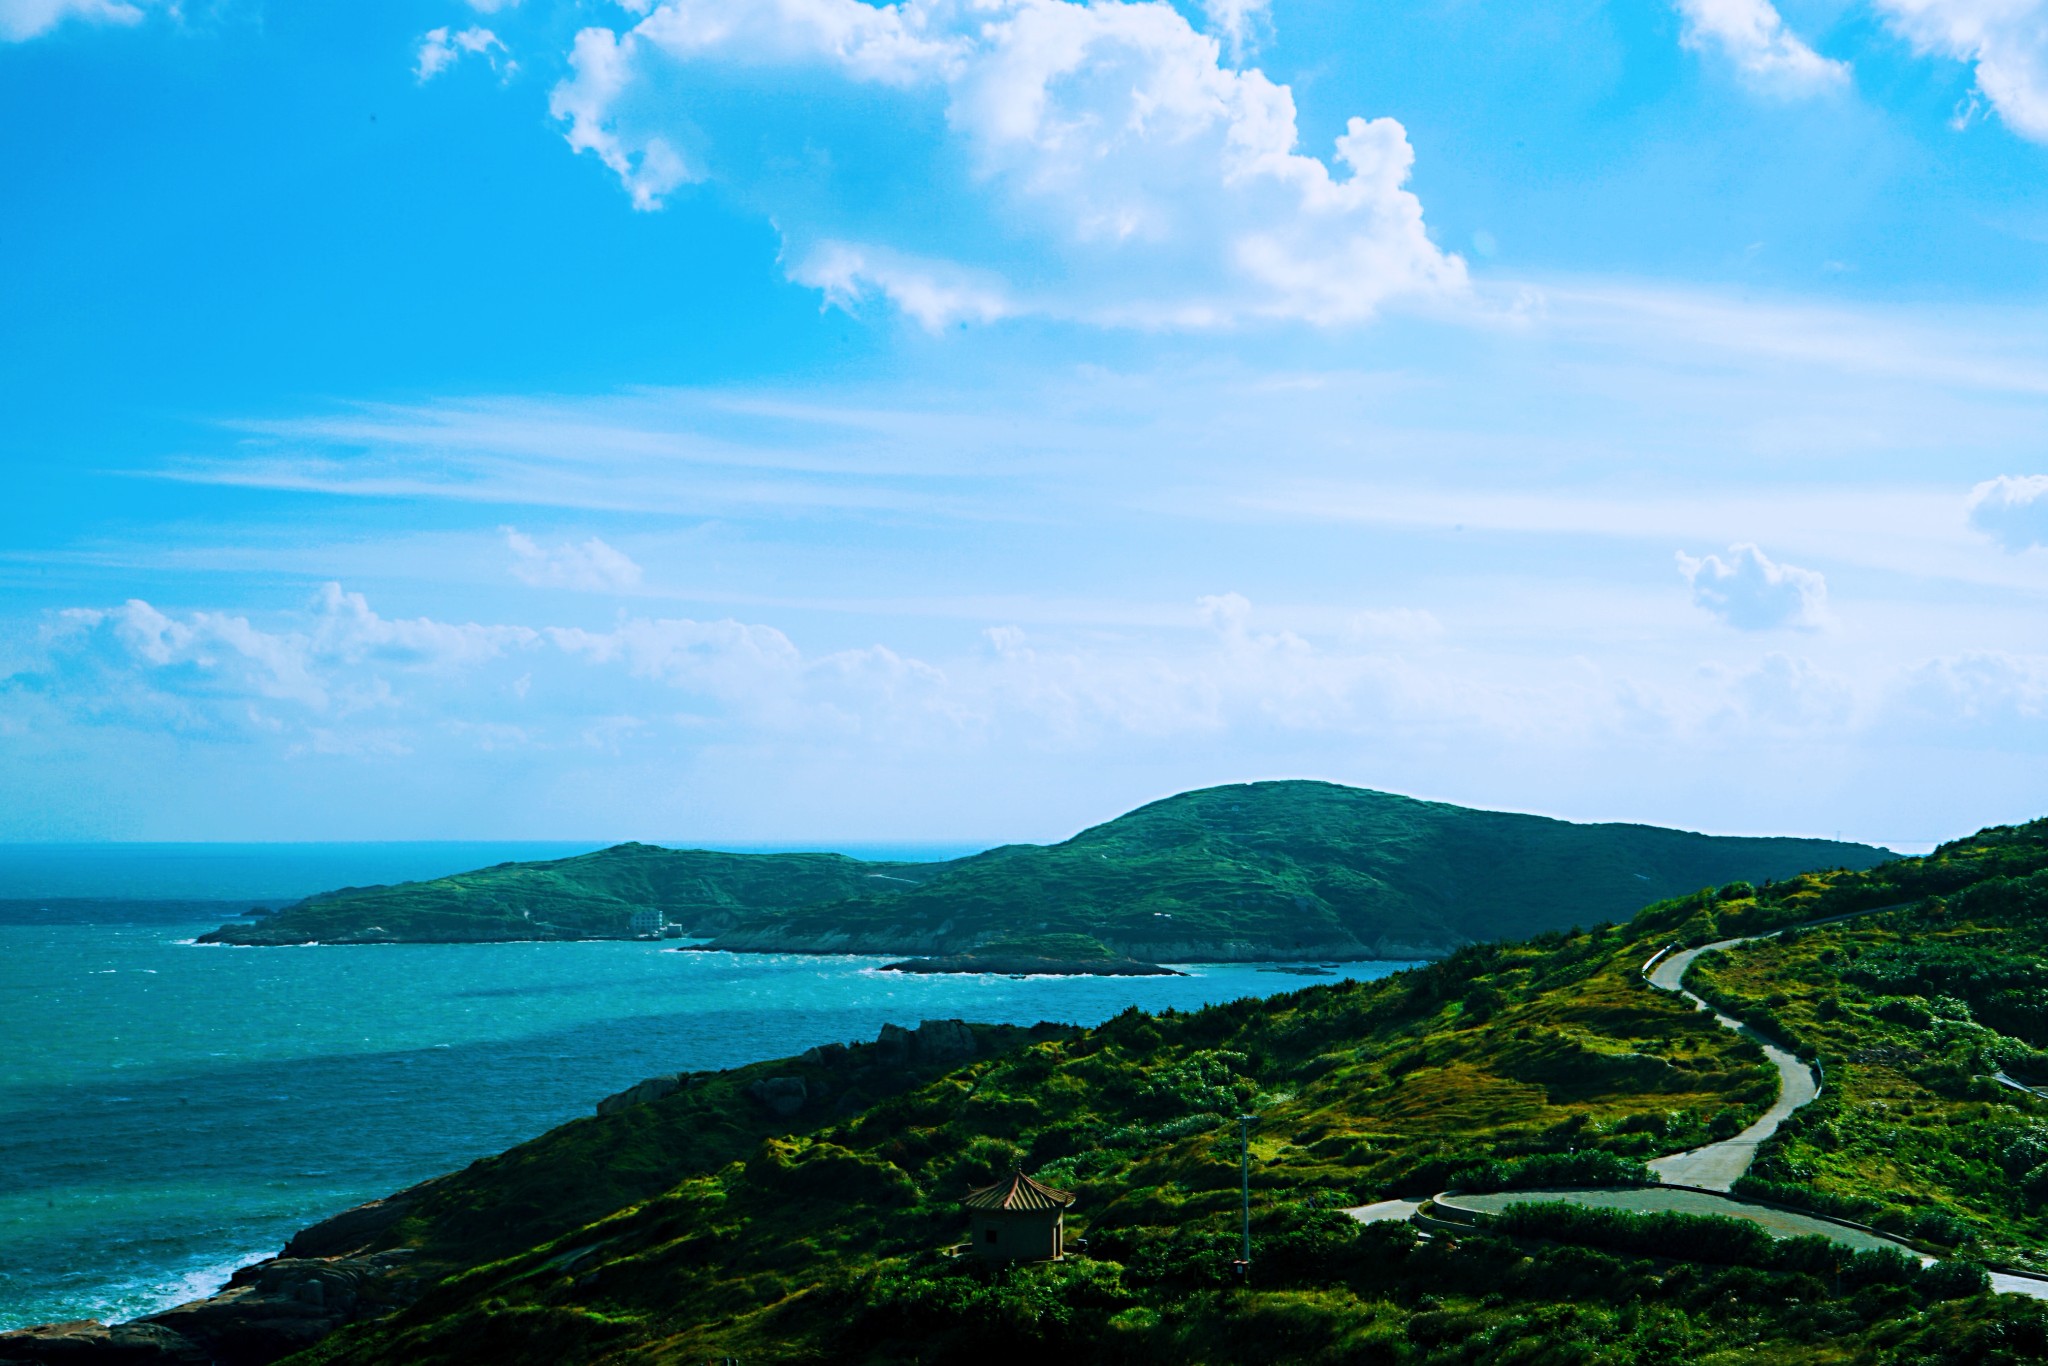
[169, 1111]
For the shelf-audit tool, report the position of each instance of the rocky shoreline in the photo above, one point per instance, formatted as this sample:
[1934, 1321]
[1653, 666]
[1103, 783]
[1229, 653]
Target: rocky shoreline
[343, 1269]
[322, 1280]
[1027, 965]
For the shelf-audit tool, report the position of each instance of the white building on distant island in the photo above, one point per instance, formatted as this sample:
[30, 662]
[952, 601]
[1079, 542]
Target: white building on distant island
[648, 923]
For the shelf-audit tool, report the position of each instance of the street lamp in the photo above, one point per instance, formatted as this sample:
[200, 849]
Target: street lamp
[1244, 1174]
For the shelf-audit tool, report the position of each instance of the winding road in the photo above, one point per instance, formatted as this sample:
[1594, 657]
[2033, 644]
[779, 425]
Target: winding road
[1718, 1166]
[1697, 1181]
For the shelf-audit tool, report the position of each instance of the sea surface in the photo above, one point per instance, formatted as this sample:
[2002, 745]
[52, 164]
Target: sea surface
[170, 1111]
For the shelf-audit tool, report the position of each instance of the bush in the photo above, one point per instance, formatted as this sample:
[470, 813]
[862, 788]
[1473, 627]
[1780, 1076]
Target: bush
[1586, 1167]
[1954, 1280]
[1849, 1207]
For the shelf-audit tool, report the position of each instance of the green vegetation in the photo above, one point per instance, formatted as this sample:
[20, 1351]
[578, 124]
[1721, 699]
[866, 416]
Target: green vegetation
[1912, 1013]
[590, 896]
[712, 1224]
[1262, 870]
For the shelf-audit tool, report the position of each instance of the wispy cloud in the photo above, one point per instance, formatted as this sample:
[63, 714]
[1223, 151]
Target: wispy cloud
[21, 20]
[591, 566]
[1752, 35]
[442, 48]
[2006, 40]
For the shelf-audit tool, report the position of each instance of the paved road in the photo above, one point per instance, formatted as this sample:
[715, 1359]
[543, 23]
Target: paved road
[1718, 1166]
[1656, 1200]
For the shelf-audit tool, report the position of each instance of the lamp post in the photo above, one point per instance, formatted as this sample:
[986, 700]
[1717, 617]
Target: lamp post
[1244, 1174]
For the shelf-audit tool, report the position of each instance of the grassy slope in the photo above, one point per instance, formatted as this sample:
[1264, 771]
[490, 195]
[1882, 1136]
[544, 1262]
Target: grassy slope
[698, 1227]
[1273, 869]
[589, 895]
[724, 1243]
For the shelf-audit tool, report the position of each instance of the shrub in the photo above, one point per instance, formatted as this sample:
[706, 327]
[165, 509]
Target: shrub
[1586, 1167]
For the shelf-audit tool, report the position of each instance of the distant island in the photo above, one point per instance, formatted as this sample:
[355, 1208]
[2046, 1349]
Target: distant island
[1248, 873]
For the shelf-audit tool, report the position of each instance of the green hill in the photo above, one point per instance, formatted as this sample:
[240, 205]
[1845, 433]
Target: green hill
[589, 896]
[1295, 869]
[802, 1210]
[1255, 871]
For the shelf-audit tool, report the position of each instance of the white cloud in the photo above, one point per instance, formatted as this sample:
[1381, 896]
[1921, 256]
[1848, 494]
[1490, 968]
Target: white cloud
[21, 20]
[1094, 161]
[1751, 592]
[1794, 694]
[935, 294]
[2012, 509]
[1985, 691]
[441, 48]
[1752, 35]
[592, 566]
[2006, 39]
[1241, 24]
[212, 671]
[728, 659]
[648, 166]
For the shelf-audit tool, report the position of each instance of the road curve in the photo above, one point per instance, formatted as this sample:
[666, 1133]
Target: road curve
[1718, 1166]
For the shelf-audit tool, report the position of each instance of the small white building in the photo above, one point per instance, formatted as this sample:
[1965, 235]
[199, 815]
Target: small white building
[648, 923]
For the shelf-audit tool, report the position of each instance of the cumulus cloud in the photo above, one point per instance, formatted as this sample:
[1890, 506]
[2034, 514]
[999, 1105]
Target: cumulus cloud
[2012, 509]
[442, 48]
[1097, 161]
[21, 20]
[1986, 689]
[592, 566]
[727, 659]
[209, 670]
[1752, 592]
[2007, 40]
[1752, 35]
[1794, 694]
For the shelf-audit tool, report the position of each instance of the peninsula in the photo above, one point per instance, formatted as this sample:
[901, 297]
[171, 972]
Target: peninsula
[1249, 873]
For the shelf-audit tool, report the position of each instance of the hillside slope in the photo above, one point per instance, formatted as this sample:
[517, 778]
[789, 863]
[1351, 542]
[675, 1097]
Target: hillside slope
[1257, 871]
[1295, 869]
[718, 1219]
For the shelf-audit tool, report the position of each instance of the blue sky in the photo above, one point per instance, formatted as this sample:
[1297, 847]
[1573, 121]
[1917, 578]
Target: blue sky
[788, 420]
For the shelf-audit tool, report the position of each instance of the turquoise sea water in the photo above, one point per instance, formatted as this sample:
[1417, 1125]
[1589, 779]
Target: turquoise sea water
[170, 1111]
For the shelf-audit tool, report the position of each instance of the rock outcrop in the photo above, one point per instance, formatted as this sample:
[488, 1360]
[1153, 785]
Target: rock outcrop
[932, 1041]
[265, 1312]
[640, 1093]
[780, 1096]
[88, 1342]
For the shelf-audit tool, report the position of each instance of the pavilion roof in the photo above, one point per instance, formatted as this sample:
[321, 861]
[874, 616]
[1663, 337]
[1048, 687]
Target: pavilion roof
[1018, 1192]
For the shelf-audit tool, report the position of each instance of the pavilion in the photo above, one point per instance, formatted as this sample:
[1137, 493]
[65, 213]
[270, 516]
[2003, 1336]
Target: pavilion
[1018, 1219]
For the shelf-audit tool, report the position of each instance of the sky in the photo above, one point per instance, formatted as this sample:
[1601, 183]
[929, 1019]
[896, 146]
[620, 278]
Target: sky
[742, 421]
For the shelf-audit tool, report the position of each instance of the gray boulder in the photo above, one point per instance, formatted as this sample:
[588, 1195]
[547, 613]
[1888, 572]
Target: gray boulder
[782, 1096]
[654, 1088]
[933, 1041]
[87, 1342]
